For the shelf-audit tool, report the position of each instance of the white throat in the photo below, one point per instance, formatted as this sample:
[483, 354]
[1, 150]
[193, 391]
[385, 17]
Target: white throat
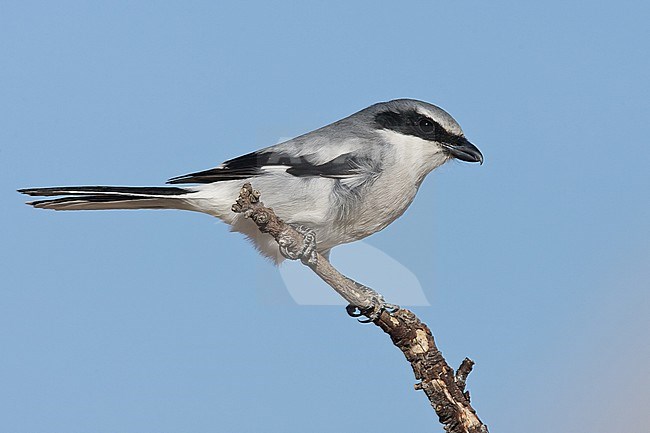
[414, 156]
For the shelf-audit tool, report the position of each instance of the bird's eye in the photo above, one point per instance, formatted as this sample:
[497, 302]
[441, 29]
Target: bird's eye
[426, 125]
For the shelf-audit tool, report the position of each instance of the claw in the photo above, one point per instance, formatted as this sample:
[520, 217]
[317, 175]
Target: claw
[373, 312]
[353, 311]
[308, 253]
[391, 308]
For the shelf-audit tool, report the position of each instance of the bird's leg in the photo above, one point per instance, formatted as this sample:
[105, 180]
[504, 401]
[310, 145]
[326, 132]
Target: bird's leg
[308, 252]
[377, 306]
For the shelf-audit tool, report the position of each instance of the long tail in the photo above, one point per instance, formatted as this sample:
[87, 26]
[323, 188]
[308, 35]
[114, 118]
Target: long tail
[109, 197]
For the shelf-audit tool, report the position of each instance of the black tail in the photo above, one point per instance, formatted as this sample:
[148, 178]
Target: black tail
[108, 197]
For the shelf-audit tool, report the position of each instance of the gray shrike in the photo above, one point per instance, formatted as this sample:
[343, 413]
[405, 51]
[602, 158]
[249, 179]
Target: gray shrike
[345, 181]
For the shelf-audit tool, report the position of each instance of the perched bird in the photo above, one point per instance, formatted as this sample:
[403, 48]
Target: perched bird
[344, 181]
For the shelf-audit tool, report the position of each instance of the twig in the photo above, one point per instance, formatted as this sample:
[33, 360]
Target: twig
[461, 375]
[444, 388]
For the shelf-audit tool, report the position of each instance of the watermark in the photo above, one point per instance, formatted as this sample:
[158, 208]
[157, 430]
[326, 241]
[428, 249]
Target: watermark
[362, 262]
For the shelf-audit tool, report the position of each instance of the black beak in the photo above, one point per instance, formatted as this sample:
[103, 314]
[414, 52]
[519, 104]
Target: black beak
[462, 149]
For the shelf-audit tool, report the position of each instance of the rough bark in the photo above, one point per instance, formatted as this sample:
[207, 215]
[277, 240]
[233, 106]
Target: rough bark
[444, 388]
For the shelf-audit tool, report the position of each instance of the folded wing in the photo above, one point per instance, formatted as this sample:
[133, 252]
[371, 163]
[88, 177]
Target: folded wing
[344, 166]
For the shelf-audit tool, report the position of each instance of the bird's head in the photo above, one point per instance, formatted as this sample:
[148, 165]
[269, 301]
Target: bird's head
[422, 129]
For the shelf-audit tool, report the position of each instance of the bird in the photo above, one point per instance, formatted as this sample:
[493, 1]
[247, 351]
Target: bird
[341, 182]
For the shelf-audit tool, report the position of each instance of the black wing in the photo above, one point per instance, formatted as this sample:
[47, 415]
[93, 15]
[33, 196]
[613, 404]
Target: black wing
[257, 163]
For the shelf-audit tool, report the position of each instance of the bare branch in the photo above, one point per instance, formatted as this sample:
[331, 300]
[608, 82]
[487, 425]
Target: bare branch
[444, 388]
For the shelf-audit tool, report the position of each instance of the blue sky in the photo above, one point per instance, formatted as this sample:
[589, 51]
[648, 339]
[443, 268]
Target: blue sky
[536, 264]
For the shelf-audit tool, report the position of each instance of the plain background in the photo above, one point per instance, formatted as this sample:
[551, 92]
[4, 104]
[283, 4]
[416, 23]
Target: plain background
[537, 264]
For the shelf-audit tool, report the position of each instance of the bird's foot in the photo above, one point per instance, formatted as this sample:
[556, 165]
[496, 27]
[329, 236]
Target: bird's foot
[377, 306]
[308, 252]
